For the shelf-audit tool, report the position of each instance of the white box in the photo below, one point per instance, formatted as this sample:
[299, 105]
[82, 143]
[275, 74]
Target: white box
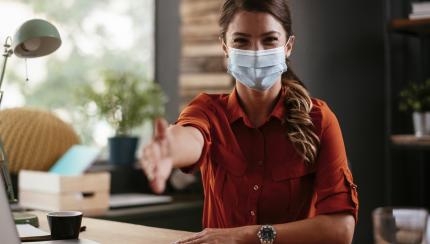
[88, 193]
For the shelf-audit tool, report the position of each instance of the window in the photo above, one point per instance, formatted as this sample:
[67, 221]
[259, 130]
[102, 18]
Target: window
[97, 35]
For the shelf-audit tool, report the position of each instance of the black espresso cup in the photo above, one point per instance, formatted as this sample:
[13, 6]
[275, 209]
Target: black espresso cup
[65, 225]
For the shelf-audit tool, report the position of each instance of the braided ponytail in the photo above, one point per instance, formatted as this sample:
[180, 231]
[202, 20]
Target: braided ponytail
[300, 128]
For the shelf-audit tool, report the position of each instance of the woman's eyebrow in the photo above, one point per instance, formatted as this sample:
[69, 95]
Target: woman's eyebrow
[241, 34]
[249, 35]
[271, 33]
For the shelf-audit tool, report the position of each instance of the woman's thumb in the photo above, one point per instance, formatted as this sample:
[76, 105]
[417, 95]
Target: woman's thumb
[160, 128]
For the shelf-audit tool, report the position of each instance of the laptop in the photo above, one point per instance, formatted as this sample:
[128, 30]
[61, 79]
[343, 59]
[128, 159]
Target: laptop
[8, 230]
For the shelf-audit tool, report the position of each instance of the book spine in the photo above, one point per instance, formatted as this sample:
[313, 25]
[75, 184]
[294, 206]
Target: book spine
[419, 16]
[420, 7]
[422, 11]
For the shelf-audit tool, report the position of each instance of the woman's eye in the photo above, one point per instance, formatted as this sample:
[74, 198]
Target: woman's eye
[271, 39]
[239, 40]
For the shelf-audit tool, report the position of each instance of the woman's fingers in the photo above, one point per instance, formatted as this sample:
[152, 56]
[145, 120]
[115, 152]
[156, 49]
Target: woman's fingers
[155, 152]
[156, 166]
[162, 172]
[156, 160]
[147, 162]
[151, 156]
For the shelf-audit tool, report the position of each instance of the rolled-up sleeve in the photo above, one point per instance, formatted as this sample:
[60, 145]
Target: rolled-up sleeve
[196, 115]
[334, 186]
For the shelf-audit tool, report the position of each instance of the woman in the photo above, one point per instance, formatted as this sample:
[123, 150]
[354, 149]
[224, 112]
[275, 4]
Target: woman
[272, 159]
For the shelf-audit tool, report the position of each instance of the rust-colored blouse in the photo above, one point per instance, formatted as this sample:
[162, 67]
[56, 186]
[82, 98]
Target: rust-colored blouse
[254, 175]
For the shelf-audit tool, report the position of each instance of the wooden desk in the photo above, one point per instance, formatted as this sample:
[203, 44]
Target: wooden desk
[104, 231]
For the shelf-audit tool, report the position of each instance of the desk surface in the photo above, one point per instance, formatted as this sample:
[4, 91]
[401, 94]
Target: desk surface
[104, 231]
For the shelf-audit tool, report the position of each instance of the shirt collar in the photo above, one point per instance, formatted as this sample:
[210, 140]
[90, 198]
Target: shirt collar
[236, 112]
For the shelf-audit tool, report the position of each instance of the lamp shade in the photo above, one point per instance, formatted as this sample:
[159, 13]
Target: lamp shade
[36, 38]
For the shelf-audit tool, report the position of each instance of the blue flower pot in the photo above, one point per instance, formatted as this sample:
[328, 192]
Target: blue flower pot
[122, 150]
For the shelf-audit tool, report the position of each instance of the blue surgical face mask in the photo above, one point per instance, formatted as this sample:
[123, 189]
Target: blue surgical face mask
[257, 70]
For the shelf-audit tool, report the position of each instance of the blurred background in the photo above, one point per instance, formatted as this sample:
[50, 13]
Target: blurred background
[356, 55]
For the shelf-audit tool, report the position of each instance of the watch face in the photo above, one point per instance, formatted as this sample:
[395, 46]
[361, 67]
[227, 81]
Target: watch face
[267, 233]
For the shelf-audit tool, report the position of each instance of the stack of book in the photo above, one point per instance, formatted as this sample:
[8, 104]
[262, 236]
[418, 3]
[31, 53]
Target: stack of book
[420, 10]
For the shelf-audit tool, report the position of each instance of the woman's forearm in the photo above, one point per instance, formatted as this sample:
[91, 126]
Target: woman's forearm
[186, 145]
[338, 228]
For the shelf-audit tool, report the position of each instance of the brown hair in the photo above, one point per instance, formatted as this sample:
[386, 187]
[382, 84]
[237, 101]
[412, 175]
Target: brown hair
[300, 129]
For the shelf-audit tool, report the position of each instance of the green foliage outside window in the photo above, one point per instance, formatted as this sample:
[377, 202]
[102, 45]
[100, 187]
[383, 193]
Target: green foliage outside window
[125, 100]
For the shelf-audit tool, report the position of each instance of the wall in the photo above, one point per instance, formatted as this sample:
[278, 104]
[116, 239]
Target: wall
[167, 52]
[202, 65]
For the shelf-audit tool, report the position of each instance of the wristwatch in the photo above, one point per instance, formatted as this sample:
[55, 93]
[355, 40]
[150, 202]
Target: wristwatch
[266, 234]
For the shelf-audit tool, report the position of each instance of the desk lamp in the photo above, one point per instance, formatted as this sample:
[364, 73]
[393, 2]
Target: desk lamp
[34, 38]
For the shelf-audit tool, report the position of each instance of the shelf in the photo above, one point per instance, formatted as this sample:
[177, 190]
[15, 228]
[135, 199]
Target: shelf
[411, 141]
[416, 27]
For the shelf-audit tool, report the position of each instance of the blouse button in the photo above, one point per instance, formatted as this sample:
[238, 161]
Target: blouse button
[260, 162]
[252, 213]
[256, 187]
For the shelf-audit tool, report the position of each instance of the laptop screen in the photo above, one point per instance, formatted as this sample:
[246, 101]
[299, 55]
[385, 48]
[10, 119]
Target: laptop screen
[8, 232]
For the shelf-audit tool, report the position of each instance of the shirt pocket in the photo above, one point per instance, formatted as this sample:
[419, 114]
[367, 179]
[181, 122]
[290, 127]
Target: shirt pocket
[294, 182]
[229, 175]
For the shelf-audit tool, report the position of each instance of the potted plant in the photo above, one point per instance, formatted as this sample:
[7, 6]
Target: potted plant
[416, 98]
[125, 100]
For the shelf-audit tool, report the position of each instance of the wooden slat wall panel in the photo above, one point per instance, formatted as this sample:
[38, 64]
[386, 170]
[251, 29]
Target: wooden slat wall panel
[194, 65]
[202, 67]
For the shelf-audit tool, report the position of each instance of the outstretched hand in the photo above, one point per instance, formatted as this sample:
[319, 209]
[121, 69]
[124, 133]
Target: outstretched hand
[156, 160]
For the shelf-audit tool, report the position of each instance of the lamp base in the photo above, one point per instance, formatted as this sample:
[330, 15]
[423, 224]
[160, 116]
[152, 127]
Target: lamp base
[25, 218]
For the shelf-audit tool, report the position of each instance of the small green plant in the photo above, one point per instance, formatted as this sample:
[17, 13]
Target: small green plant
[415, 97]
[125, 100]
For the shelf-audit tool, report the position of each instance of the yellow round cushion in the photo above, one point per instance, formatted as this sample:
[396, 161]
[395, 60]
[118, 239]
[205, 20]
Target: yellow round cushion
[34, 139]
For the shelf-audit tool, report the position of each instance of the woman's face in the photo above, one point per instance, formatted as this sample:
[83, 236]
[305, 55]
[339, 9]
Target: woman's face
[256, 31]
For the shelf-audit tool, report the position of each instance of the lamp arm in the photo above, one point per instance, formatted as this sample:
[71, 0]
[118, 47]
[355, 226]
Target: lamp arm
[3, 159]
[5, 175]
[6, 54]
